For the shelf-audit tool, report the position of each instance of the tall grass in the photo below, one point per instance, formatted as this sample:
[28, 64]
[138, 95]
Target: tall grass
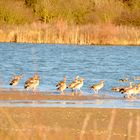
[63, 33]
[70, 22]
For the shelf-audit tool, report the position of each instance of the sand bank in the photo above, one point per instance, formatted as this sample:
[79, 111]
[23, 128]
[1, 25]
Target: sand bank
[39, 123]
[24, 95]
[69, 124]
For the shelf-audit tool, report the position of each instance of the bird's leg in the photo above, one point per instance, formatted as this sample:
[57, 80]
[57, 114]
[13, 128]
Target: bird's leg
[34, 90]
[133, 96]
[81, 92]
[29, 90]
[128, 96]
[97, 91]
[62, 92]
[13, 88]
[76, 92]
[73, 93]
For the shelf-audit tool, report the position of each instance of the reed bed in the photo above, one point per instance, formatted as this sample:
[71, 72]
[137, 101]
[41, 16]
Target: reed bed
[62, 33]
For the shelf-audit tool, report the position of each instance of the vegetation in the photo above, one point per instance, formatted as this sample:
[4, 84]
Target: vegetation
[70, 21]
[14, 12]
[118, 12]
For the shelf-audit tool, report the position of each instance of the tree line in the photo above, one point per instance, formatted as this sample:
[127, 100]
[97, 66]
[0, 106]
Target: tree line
[77, 12]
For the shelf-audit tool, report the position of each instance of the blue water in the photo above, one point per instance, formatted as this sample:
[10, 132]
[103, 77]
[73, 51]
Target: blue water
[52, 62]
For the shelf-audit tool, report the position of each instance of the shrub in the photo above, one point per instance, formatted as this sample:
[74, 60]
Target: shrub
[14, 12]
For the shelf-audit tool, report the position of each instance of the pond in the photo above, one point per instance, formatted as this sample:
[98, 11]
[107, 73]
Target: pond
[53, 61]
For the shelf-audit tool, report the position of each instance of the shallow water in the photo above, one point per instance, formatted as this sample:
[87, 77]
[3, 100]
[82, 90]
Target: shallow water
[52, 62]
[97, 103]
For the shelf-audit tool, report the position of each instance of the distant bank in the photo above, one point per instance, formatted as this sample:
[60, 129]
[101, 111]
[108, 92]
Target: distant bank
[62, 33]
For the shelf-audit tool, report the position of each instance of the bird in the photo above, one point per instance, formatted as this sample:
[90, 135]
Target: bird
[72, 84]
[32, 83]
[121, 88]
[130, 91]
[61, 86]
[116, 89]
[79, 85]
[124, 80]
[137, 90]
[61, 82]
[97, 87]
[15, 80]
[137, 78]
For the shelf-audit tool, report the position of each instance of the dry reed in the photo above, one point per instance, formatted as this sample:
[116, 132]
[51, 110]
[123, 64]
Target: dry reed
[62, 33]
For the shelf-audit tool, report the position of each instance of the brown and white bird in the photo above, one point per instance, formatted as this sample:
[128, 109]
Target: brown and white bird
[61, 86]
[15, 80]
[61, 82]
[124, 80]
[73, 83]
[121, 88]
[137, 89]
[79, 85]
[32, 83]
[97, 87]
[130, 91]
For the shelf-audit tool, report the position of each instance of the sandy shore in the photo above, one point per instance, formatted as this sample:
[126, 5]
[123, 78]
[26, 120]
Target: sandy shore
[24, 95]
[65, 123]
[69, 124]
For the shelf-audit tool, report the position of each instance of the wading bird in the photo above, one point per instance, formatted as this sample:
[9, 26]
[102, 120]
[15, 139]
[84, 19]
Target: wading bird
[126, 79]
[15, 80]
[97, 87]
[79, 85]
[61, 86]
[73, 83]
[130, 91]
[32, 83]
[122, 89]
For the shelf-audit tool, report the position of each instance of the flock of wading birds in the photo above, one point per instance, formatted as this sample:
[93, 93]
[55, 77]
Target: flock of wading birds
[33, 82]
